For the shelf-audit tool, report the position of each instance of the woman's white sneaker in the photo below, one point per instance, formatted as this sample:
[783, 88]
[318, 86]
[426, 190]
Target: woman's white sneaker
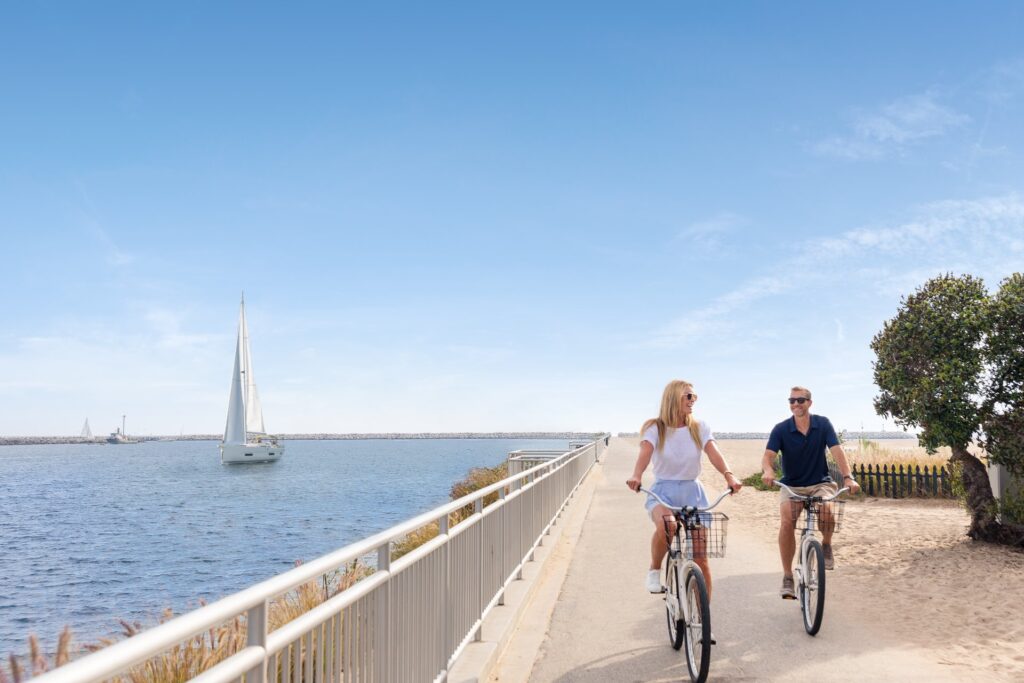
[654, 581]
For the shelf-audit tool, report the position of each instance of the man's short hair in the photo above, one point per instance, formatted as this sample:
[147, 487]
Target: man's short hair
[803, 389]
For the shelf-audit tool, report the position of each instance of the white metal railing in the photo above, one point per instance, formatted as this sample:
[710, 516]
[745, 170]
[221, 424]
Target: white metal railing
[407, 621]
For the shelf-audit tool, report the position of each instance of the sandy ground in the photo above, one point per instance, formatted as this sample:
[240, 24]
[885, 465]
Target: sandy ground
[911, 597]
[915, 573]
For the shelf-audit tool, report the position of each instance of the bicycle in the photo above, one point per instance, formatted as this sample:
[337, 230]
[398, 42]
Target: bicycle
[699, 533]
[809, 572]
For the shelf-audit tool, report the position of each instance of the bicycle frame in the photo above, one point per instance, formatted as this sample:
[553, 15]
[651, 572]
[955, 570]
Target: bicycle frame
[808, 504]
[686, 582]
[810, 587]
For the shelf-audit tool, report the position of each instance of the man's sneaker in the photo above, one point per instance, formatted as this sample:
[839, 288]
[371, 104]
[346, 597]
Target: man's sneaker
[830, 563]
[654, 581]
[787, 592]
[713, 640]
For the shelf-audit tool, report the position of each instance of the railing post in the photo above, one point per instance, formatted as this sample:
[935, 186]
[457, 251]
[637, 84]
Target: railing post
[502, 512]
[446, 621]
[256, 634]
[384, 623]
[478, 508]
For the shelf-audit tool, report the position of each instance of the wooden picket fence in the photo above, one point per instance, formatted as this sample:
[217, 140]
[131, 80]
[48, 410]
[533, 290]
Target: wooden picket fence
[895, 481]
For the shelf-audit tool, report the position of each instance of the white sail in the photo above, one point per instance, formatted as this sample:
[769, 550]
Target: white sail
[234, 430]
[86, 431]
[253, 408]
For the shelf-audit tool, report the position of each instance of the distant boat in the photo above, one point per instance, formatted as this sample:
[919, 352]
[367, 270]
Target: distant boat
[86, 431]
[245, 438]
[119, 436]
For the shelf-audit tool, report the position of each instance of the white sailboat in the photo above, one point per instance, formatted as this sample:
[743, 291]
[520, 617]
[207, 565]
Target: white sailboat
[86, 430]
[245, 439]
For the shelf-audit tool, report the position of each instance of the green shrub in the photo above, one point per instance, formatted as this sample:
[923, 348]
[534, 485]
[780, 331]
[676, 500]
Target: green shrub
[1011, 507]
[754, 480]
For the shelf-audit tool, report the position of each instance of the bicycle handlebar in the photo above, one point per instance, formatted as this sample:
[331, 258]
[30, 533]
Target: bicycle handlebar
[797, 496]
[661, 500]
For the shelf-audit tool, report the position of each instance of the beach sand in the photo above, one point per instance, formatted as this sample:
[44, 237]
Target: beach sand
[910, 569]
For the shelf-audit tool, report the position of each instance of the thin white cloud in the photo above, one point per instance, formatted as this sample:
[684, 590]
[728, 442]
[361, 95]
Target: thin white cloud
[714, 318]
[984, 235]
[840, 332]
[167, 325]
[114, 255]
[909, 119]
[708, 233]
[1003, 82]
[848, 148]
[950, 224]
[892, 128]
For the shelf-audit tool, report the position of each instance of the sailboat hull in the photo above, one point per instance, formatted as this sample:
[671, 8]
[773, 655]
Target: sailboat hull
[233, 454]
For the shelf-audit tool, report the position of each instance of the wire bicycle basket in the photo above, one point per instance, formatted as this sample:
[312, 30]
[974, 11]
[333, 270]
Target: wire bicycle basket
[704, 537]
[828, 516]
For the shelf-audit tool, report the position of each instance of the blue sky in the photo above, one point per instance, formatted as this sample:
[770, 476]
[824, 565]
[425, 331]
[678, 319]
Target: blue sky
[452, 216]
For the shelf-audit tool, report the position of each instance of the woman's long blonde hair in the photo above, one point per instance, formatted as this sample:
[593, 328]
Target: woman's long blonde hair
[672, 415]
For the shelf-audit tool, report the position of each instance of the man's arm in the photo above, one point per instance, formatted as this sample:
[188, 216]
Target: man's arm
[844, 469]
[767, 469]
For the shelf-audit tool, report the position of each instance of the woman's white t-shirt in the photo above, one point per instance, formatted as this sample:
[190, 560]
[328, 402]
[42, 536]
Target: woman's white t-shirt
[680, 458]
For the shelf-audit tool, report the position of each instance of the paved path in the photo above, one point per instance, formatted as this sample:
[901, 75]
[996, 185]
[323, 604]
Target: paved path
[606, 627]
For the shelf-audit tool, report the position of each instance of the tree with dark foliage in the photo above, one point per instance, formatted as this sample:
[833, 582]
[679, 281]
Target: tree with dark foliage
[950, 363]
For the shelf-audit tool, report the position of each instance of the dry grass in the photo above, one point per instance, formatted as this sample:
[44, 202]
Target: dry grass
[478, 478]
[197, 654]
[864, 452]
[38, 662]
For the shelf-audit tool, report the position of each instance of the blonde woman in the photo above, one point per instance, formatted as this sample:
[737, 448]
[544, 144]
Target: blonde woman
[674, 441]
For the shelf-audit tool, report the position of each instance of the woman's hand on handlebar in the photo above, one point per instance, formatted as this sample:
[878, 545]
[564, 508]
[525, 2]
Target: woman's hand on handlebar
[733, 483]
[633, 483]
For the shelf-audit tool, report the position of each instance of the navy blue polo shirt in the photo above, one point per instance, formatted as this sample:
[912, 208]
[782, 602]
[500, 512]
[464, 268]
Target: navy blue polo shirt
[803, 457]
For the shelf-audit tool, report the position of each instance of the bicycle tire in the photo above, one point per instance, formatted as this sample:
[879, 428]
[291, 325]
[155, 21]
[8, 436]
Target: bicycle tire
[676, 627]
[812, 586]
[698, 626]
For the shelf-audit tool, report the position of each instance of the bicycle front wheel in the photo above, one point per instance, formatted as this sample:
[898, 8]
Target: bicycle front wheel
[674, 604]
[698, 626]
[812, 587]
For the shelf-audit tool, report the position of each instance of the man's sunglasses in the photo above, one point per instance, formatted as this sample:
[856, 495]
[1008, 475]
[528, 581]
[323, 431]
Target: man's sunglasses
[800, 399]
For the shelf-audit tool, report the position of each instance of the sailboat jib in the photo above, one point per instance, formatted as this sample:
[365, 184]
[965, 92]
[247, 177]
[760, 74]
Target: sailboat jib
[86, 430]
[234, 430]
[245, 438]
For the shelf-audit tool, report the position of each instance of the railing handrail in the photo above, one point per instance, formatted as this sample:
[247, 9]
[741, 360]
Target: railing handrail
[120, 656]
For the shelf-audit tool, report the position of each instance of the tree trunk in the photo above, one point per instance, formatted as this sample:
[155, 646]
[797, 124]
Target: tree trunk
[980, 501]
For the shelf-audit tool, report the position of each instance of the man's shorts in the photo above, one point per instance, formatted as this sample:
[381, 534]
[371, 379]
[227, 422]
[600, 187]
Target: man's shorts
[824, 489]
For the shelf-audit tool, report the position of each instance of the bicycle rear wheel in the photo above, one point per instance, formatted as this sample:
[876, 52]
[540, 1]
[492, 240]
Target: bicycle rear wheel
[674, 604]
[698, 626]
[812, 587]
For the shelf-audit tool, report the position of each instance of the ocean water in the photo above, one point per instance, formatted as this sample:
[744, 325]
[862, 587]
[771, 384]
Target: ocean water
[91, 534]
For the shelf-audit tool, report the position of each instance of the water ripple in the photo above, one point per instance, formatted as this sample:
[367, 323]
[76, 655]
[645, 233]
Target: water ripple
[95, 534]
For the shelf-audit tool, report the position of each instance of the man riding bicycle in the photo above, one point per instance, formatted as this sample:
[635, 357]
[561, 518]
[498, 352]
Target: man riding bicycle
[803, 440]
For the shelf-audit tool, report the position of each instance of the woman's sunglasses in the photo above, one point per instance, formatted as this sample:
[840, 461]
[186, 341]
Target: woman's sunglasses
[800, 399]
[690, 397]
